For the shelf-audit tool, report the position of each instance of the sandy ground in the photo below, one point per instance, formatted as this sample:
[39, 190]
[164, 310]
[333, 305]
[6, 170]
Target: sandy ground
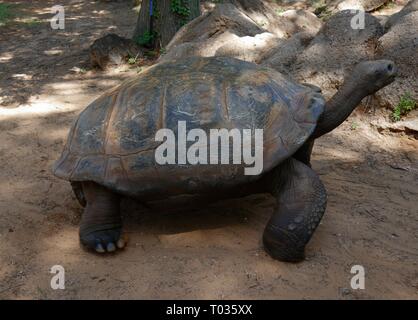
[214, 252]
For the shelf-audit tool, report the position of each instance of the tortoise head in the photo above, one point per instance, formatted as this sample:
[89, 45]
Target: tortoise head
[366, 78]
[371, 76]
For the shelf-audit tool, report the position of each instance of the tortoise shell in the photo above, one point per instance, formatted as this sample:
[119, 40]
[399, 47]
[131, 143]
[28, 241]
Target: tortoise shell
[113, 140]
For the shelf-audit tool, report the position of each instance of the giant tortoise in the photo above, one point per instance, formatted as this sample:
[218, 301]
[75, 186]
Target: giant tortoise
[111, 147]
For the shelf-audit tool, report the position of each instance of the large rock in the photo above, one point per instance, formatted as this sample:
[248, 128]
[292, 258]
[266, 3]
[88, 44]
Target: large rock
[400, 44]
[224, 18]
[112, 50]
[335, 50]
[334, 6]
[367, 5]
[302, 20]
[227, 44]
[238, 30]
[409, 124]
[248, 48]
[282, 56]
[350, 5]
[283, 25]
[410, 7]
[206, 34]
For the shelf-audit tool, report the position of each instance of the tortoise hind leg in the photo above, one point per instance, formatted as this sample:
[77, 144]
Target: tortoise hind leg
[101, 222]
[301, 202]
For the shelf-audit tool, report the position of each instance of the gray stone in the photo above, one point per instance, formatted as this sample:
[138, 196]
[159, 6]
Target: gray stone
[112, 50]
[335, 50]
[400, 44]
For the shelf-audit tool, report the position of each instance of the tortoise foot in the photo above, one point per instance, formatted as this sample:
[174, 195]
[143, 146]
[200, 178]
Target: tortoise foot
[301, 203]
[102, 241]
[101, 222]
[283, 248]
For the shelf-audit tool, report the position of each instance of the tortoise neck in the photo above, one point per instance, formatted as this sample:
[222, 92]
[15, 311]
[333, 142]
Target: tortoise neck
[339, 107]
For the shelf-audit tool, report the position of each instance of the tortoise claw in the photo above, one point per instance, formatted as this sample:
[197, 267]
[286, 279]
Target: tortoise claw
[99, 248]
[111, 247]
[103, 241]
[120, 244]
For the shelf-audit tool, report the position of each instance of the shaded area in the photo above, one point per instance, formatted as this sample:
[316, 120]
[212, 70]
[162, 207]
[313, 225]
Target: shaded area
[32, 55]
[207, 252]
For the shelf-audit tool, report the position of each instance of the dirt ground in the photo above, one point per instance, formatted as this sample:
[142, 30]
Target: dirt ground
[211, 253]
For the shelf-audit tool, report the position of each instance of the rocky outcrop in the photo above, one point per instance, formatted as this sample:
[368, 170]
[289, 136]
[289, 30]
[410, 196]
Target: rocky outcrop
[400, 44]
[335, 50]
[238, 30]
[304, 47]
[411, 6]
[367, 5]
[112, 50]
[282, 56]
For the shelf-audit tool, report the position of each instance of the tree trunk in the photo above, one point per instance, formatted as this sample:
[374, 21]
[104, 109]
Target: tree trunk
[143, 21]
[167, 17]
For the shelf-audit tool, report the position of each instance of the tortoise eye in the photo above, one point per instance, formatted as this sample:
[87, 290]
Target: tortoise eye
[390, 67]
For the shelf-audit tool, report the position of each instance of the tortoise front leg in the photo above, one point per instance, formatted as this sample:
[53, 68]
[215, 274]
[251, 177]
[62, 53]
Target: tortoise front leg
[301, 202]
[101, 222]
